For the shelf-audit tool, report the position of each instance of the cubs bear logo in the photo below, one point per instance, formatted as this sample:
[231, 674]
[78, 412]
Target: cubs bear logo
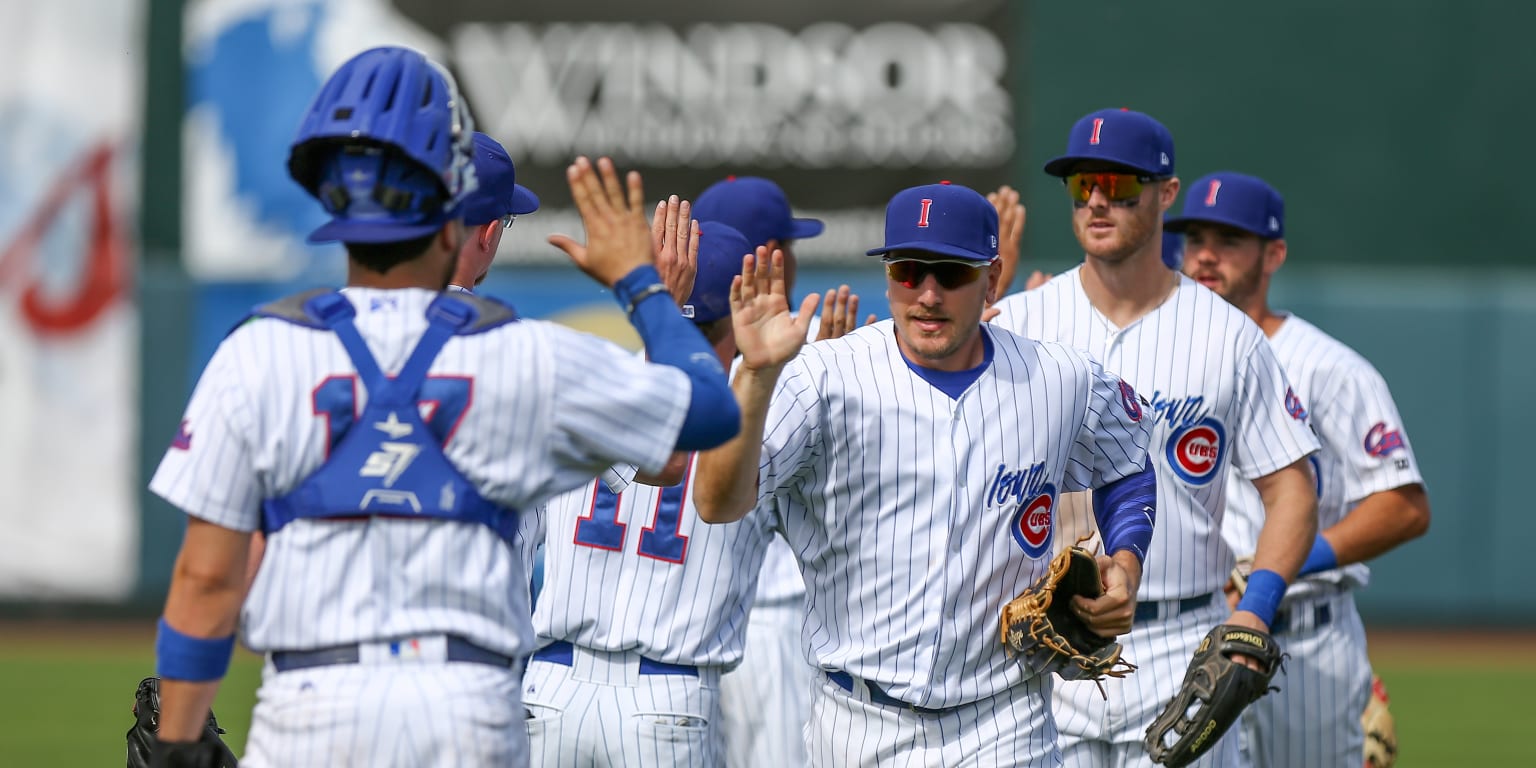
[1294, 406]
[1129, 401]
[1381, 442]
[1033, 523]
[1195, 452]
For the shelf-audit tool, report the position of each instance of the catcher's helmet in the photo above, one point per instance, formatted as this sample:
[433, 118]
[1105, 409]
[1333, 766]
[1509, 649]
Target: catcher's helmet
[386, 147]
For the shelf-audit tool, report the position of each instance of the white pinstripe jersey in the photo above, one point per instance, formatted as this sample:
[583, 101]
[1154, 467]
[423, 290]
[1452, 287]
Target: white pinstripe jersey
[536, 409]
[1365, 447]
[915, 516]
[638, 571]
[1218, 399]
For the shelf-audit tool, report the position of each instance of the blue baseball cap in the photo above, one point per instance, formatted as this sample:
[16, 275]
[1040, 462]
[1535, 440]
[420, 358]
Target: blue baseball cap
[1118, 136]
[755, 207]
[1236, 200]
[499, 194]
[721, 248]
[941, 218]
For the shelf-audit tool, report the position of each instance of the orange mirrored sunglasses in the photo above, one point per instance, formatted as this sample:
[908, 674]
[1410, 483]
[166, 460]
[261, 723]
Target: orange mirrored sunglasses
[1118, 187]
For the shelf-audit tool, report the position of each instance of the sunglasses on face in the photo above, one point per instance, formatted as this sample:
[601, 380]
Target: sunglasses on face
[1118, 187]
[506, 221]
[910, 273]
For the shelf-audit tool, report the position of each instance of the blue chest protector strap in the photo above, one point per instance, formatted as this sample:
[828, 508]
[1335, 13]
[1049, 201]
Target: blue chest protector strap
[388, 462]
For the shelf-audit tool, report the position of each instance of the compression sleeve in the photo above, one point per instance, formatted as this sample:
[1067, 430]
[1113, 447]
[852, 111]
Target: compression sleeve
[713, 416]
[1125, 511]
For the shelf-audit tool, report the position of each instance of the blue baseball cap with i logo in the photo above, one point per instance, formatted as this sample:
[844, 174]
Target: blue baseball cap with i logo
[1120, 137]
[942, 218]
[1236, 200]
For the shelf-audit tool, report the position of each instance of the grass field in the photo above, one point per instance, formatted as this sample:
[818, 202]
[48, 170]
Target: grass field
[68, 695]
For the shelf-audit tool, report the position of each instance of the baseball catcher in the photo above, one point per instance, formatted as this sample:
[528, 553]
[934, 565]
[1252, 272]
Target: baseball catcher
[146, 750]
[1216, 688]
[1040, 625]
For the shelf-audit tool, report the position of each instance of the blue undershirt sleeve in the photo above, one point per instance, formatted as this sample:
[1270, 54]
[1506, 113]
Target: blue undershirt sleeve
[713, 416]
[1126, 510]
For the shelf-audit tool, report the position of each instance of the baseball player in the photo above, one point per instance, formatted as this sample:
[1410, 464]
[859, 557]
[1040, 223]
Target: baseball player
[489, 211]
[384, 437]
[765, 701]
[644, 608]
[1218, 401]
[1370, 494]
[914, 465]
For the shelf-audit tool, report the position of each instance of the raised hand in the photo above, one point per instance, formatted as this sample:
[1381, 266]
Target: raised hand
[675, 240]
[839, 314]
[767, 335]
[617, 237]
[1010, 231]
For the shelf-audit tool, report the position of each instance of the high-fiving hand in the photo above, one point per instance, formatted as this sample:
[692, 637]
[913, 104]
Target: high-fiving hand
[675, 239]
[618, 240]
[767, 335]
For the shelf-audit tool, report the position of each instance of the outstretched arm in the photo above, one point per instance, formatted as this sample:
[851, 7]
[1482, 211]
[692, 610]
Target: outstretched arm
[767, 336]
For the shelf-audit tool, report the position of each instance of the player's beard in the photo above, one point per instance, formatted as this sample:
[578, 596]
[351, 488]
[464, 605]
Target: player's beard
[933, 350]
[1134, 229]
[1243, 286]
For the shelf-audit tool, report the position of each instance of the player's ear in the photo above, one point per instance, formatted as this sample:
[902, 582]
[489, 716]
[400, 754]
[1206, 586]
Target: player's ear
[485, 232]
[1168, 193]
[1274, 255]
[994, 279]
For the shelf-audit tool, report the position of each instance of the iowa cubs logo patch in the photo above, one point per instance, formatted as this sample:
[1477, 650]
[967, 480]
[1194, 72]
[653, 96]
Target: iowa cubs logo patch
[1195, 452]
[1033, 523]
[1130, 402]
[1294, 406]
[1381, 442]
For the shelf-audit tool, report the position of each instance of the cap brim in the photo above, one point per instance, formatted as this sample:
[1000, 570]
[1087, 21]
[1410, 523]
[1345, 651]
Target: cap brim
[523, 200]
[943, 249]
[351, 231]
[799, 229]
[1062, 166]
[1180, 224]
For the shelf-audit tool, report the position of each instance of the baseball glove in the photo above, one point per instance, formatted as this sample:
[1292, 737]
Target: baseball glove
[1040, 624]
[145, 749]
[1215, 691]
[1380, 731]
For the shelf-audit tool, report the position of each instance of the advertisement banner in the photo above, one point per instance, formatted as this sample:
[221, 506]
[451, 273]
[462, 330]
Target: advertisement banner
[70, 106]
[843, 104]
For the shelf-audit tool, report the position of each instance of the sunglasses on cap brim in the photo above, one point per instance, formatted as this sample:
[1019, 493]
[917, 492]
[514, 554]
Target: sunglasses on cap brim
[950, 273]
[1118, 187]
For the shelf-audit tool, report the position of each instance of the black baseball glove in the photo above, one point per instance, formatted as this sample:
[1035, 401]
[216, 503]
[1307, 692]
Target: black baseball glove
[1220, 687]
[145, 749]
[1040, 625]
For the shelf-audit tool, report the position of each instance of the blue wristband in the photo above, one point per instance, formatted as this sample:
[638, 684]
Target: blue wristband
[1262, 597]
[637, 286]
[193, 659]
[1321, 558]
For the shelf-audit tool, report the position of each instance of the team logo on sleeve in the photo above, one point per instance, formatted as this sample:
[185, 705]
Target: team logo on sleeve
[1033, 501]
[1293, 405]
[1380, 442]
[1129, 401]
[1195, 452]
[183, 439]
